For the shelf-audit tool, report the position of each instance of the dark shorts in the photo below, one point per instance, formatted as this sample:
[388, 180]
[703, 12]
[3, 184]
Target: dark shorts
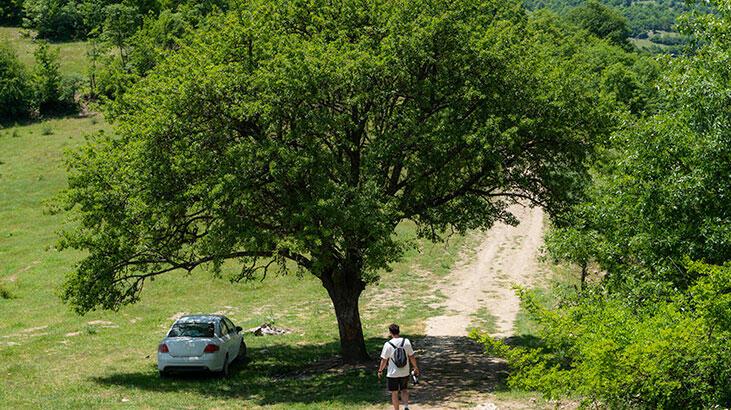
[398, 383]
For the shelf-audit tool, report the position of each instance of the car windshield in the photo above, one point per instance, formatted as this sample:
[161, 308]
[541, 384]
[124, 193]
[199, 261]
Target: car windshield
[192, 329]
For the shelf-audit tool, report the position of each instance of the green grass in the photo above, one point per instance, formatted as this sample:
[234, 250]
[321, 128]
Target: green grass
[647, 43]
[482, 319]
[643, 43]
[50, 356]
[72, 55]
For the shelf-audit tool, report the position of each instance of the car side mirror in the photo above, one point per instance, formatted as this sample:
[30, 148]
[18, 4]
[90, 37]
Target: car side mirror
[238, 329]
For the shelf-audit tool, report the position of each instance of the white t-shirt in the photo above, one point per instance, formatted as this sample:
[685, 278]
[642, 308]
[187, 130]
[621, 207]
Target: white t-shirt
[388, 352]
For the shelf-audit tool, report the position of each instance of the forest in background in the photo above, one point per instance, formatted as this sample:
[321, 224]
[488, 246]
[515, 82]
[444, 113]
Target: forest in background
[642, 16]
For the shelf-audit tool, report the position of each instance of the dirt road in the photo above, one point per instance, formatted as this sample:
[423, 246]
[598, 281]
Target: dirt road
[506, 255]
[457, 373]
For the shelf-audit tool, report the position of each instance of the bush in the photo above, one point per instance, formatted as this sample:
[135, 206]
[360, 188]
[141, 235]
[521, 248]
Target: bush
[53, 93]
[5, 294]
[669, 355]
[16, 93]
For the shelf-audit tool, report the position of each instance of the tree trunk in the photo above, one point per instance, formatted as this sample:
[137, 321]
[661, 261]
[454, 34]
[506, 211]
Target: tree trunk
[352, 342]
[344, 295]
[584, 271]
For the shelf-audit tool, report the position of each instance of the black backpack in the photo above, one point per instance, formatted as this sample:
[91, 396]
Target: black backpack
[399, 355]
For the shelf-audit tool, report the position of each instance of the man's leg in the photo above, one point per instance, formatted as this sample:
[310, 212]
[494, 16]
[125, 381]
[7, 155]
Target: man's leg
[394, 399]
[405, 397]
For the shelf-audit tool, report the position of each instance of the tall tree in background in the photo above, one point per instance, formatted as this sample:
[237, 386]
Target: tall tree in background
[601, 21]
[304, 132]
[120, 24]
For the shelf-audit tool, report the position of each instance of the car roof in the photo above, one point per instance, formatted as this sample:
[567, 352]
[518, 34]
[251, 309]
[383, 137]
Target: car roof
[200, 318]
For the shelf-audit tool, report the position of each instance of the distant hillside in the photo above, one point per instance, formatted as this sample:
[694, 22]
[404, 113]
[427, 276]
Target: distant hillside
[642, 16]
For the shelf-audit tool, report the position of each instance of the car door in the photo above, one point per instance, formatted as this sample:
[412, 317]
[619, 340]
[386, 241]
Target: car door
[234, 338]
[225, 338]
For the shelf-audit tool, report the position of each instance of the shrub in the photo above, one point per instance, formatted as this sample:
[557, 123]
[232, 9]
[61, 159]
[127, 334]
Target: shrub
[53, 93]
[15, 89]
[5, 294]
[672, 354]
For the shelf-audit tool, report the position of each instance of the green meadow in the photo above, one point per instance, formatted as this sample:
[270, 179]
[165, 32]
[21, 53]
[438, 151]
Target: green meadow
[72, 55]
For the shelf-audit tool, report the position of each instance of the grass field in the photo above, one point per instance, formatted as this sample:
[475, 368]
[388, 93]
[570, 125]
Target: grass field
[72, 55]
[51, 357]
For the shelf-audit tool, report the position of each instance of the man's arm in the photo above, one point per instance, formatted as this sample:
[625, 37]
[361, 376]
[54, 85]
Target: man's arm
[384, 362]
[412, 358]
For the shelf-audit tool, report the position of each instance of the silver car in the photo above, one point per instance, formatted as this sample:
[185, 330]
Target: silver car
[201, 342]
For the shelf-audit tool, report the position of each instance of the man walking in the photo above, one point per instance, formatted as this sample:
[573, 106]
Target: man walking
[397, 353]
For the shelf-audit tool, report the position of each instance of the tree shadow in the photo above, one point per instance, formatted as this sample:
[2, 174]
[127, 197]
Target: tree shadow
[308, 374]
[456, 368]
[6, 123]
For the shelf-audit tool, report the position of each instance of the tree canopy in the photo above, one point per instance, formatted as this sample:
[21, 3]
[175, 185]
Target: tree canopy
[602, 21]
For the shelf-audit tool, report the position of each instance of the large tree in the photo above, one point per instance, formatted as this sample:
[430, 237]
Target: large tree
[304, 132]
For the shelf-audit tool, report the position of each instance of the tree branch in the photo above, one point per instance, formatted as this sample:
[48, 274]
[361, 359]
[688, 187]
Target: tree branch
[190, 265]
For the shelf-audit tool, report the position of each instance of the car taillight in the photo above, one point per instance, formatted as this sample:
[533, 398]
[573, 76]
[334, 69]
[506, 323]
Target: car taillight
[210, 348]
[163, 348]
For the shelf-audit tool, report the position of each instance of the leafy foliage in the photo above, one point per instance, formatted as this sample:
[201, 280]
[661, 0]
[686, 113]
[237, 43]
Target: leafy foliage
[602, 21]
[139, 52]
[53, 93]
[16, 93]
[672, 354]
[11, 12]
[75, 19]
[55, 19]
[660, 194]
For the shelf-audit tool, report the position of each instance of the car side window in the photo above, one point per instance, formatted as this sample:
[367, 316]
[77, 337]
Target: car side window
[231, 327]
[224, 328]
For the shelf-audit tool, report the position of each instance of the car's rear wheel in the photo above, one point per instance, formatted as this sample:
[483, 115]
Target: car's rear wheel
[242, 352]
[225, 370]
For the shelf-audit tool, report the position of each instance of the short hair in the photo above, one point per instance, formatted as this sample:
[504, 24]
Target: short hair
[394, 329]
